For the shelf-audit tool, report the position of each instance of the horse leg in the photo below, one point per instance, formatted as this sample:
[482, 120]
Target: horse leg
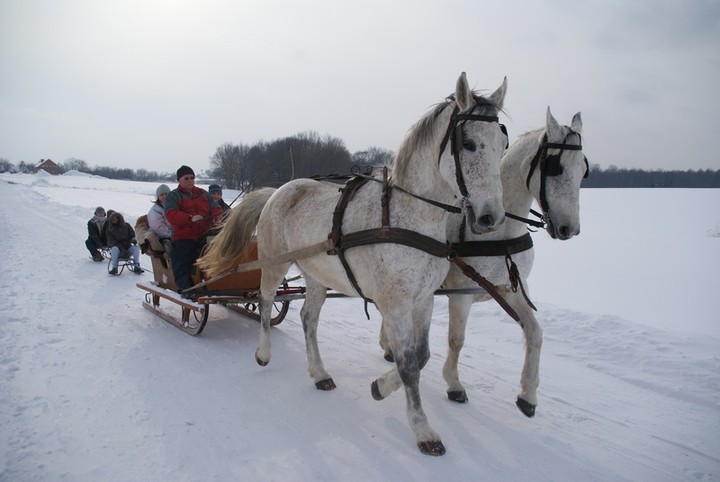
[459, 310]
[315, 296]
[409, 341]
[271, 278]
[387, 352]
[390, 381]
[530, 377]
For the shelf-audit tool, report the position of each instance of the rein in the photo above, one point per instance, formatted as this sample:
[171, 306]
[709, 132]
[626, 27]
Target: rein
[531, 222]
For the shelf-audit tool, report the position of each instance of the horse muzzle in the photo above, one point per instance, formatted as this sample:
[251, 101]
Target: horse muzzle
[563, 231]
[487, 222]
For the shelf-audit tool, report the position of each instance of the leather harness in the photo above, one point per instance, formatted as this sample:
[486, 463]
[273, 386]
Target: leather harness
[387, 234]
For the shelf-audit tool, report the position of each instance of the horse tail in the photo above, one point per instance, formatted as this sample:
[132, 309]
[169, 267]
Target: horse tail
[237, 231]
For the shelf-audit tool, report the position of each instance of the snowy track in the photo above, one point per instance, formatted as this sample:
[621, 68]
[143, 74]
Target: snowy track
[93, 387]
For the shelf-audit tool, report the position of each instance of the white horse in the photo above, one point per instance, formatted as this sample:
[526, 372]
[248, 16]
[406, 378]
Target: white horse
[399, 279]
[546, 165]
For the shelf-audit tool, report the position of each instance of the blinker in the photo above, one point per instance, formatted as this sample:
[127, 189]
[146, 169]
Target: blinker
[553, 166]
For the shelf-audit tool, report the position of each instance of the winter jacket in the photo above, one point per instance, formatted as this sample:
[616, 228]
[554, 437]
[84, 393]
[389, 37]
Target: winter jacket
[96, 232]
[181, 206]
[158, 222]
[223, 205]
[119, 234]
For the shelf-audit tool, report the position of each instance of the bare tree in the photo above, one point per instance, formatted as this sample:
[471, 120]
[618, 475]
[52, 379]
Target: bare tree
[364, 161]
[5, 165]
[229, 165]
[74, 164]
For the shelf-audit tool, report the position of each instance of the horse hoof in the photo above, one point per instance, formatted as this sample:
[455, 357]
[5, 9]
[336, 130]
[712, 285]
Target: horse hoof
[458, 396]
[325, 385]
[375, 391]
[433, 447]
[260, 362]
[525, 407]
[389, 357]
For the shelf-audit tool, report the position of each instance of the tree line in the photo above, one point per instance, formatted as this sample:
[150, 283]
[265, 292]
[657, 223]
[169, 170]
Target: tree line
[245, 167]
[618, 177]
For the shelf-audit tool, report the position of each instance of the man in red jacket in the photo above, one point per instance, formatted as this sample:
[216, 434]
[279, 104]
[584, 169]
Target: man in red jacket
[192, 212]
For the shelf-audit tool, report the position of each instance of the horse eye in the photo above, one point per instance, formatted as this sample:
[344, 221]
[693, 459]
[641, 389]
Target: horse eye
[469, 145]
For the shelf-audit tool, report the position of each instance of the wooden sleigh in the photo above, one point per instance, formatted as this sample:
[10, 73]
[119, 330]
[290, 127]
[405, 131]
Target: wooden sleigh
[237, 291]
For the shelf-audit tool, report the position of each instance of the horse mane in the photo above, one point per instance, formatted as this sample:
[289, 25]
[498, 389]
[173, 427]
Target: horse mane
[531, 133]
[423, 132]
[237, 231]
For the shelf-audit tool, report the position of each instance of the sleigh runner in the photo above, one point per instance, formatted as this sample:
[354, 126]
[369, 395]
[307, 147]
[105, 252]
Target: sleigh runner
[237, 291]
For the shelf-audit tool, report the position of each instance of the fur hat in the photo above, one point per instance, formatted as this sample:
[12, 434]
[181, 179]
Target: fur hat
[116, 215]
[183, 171]
[214, 188]
[99, 210]
[162, 189]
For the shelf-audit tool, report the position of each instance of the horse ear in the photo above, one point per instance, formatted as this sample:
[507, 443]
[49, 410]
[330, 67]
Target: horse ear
[553, 127]
[463, 95]
[576, 124]
[498, 97]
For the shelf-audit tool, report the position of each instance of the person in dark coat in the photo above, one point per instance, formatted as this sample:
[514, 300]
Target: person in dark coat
[216, 192]
[95, 241]
[122, 242]
[192, 212]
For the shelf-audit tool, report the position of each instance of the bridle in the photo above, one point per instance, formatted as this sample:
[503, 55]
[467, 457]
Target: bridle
[455, 134]
[550, 165]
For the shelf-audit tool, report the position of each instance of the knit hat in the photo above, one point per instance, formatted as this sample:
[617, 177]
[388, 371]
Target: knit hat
[162, 189]
[183, 171]
[99, 210]
[214, 188]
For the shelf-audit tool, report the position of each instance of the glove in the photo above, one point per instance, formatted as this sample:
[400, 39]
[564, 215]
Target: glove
[133, 241]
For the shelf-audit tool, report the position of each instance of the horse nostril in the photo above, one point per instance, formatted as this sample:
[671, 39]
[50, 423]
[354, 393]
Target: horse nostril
[564, 232]
[486, 220]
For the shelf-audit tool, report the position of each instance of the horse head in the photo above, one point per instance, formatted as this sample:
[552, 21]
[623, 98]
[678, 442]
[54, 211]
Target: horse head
[555, 174]
[472, 163]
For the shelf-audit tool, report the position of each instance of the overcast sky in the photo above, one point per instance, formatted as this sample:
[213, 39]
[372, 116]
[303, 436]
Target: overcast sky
[156, 84]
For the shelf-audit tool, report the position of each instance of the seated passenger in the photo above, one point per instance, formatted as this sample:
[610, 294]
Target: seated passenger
[122, 242]
[191, 212]
[95, 241]
[157, 221]
[216, 193]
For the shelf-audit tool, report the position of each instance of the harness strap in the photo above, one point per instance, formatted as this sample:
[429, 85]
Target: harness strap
[503, 247]
[336, 235]
[447, 207]
[470, 272]
[396, 236]
[516, 280]
[537, 224]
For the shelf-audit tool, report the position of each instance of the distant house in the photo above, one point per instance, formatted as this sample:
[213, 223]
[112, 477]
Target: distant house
[48, 166]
